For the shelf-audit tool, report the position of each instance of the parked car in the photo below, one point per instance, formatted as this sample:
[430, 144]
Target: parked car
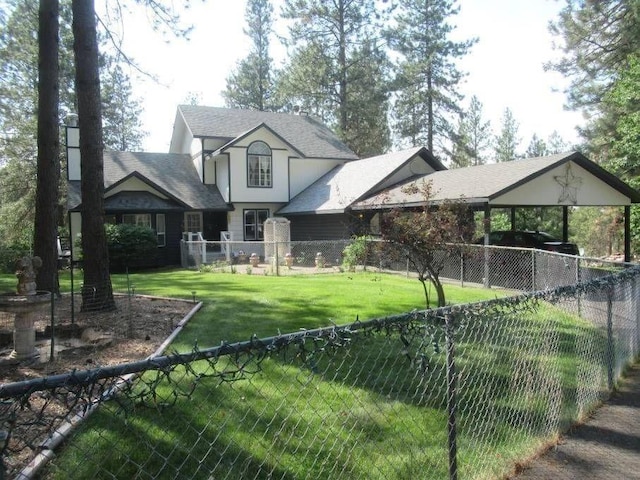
[530, 239]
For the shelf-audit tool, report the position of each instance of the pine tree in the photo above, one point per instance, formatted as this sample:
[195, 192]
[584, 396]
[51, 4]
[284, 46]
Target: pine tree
[597, 39]
[427, 80]
[122, 129]
[48, 177]
[97, 291]
[507, 141]
[18, 113]
[537, 147]
[251, 85]
[556, 144]
[478, 132]
[336, 67]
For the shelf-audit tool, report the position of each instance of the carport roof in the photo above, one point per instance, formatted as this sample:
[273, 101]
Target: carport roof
[490, 184]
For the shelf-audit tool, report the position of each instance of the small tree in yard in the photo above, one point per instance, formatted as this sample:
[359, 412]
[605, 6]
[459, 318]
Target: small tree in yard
[427, 236]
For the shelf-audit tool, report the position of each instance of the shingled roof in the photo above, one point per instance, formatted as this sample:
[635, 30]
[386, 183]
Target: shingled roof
[307, 134]
[172, 174]
[347, 183]
[483, 183]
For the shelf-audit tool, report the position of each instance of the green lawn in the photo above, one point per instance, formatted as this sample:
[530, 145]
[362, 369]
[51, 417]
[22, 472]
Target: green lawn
[376, 409]
[238, 306]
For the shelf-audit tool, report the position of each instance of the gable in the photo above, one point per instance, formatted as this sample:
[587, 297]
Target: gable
[566, 184]
[561, 179]
[304, 133]
[347, 183]
[134, 184]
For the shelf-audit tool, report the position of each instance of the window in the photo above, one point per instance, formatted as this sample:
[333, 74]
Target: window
[193, 222]
[254, 224]
[259, 165]
[141, 219]
[161, 230]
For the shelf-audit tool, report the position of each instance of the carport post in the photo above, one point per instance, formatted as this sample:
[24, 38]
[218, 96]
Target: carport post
[627, 233]
[565, 223]
[487, 231]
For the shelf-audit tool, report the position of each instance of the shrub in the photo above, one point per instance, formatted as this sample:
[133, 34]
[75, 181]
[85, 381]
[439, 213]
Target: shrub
[355, 253]
[131, 246]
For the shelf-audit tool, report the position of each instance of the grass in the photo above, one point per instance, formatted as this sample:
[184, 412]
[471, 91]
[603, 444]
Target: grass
[374, 410]
[236, 307]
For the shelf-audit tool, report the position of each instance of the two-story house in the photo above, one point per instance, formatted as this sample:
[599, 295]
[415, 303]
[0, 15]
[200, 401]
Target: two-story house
[229, 170]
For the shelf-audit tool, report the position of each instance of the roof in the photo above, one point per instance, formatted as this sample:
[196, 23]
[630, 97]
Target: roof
[305, 133]
[482, 183]
[174, 175]
[338, 189]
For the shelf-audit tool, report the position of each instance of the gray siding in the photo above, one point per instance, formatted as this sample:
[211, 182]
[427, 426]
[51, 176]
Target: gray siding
[320, 227]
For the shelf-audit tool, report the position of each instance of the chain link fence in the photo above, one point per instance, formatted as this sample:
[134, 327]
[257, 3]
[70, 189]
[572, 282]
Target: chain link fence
[503, 267]
[460, 392]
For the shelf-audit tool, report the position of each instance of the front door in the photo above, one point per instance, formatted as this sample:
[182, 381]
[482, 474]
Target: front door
[214, 223]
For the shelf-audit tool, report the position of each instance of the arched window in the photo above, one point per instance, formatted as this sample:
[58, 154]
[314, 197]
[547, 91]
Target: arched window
[259, 165]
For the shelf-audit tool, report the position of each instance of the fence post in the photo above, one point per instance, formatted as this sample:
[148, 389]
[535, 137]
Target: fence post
[451, 397]
[578, 282]
[610, 349]
[276, 258]
[533, 270]
[635, 307]
[73, 308]
[52, 344]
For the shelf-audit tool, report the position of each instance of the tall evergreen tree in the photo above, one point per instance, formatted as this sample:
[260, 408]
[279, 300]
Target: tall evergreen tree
[336, 65]
[427, 81]
[97, 291]
[507, 141]
[251, 85]
[596, 38]
[478, 132]
[459, 155]
[122, 127]
[537, 147]
[18, 113]
[48, 177]
[556, 144]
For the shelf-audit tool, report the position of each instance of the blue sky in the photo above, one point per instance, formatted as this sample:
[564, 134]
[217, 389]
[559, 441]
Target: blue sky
[505, 67]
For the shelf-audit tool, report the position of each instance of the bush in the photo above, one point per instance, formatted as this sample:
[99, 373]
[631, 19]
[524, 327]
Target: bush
[355, 253]
[131, 246]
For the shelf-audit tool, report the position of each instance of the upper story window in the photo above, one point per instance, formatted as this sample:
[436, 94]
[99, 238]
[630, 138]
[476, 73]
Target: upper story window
[259, 165]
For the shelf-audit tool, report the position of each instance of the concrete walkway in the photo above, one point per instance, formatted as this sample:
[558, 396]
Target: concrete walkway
[607, 446]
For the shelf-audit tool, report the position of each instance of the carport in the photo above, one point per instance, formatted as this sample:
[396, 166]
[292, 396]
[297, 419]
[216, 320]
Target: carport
[565, 180]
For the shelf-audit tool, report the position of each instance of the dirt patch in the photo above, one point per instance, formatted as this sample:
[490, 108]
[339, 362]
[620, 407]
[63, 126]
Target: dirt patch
[132, 332]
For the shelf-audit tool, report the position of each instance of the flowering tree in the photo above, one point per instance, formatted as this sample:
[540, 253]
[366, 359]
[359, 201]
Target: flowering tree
[426, 236]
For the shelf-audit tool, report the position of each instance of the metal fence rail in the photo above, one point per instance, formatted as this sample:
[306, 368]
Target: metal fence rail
[460, 392]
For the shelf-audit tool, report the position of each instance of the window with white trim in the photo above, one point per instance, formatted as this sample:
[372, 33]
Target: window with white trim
[254, 224]
[140, 219]
[259, 165]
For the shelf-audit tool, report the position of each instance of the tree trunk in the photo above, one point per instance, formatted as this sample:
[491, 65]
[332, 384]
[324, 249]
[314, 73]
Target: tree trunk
[97, 291]
[48, 176]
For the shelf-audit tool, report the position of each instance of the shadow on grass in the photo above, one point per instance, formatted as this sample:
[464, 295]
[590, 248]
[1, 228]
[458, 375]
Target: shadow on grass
[373, 405]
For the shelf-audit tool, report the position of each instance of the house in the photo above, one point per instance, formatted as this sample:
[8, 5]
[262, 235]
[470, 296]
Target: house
[228, 171]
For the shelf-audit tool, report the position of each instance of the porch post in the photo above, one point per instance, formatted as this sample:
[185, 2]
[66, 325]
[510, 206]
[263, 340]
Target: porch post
[513, 218]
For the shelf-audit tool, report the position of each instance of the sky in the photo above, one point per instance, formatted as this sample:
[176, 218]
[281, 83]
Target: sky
[505, 67]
